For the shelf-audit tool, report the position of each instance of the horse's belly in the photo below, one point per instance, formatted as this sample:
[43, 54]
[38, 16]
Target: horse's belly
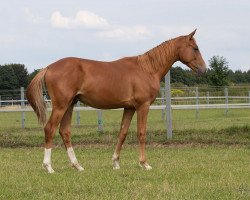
[106, 103]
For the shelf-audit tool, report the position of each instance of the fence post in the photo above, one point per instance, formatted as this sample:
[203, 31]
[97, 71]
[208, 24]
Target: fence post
[207, 97]
[22, 107]
[1, 100]
[162, 103]
[226, 100]
[100, 122]
[197, 102]
[78, 114]
[168, 106]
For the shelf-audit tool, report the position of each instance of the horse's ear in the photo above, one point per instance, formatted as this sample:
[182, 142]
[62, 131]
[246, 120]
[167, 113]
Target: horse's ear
[191, 35]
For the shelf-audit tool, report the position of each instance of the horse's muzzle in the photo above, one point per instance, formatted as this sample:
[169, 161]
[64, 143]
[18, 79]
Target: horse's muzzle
[201, 70]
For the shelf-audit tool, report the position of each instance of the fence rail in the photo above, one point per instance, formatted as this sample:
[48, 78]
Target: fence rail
[18, 102]
[153, 107]
[183, 99]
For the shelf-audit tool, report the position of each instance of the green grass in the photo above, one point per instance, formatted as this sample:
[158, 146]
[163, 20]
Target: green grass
[178, 173]
[208, 158]
[212, 127]
[182, 119]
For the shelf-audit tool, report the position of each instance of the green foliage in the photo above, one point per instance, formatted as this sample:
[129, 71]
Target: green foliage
[8, 79]
[178, 75]
[32, 75]
[13, 76]
[218, 73]
[21, 73]
[177, 93]
[239, 77]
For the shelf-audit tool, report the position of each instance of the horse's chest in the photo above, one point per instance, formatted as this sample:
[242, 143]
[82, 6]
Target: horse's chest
[146, 94]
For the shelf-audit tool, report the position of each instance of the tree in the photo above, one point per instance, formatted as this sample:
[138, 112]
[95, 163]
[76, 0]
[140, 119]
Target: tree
[218, 71]
[8, 79]
[21, 73]
[187, 77]
[239, 77]
[248, 76]
[231, 76]
[32, 74]
[177, 75]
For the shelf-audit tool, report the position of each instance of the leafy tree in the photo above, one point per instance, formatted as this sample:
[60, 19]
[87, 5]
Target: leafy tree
[248, 76]
[21, 73]
[231, 76]
[33, 74]
[218, 75]
[178, 75]
[218, 71]
[8, 79]
[239, 77]
[195, 79]
[187, 77]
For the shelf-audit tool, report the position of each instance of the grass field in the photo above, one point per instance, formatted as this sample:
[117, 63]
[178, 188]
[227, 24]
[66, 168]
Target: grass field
[208, 158]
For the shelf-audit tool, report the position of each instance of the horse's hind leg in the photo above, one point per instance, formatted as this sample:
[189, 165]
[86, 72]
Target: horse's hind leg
[126, 119]
[65, 132]
[49, 131]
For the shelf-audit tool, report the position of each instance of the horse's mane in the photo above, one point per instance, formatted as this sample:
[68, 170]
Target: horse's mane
[157, 57]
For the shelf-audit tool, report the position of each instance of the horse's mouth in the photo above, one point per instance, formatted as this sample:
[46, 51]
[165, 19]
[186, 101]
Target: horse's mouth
[195, 68]
[198, 69]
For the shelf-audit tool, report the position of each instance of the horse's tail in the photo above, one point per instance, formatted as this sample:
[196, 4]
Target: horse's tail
[35, 97]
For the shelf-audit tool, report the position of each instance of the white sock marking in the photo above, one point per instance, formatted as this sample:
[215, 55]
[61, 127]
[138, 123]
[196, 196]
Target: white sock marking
[47, 160]
[47, 156]
[73, 160]
[115, 156]
[71, 154]
[145, 166]
[115, 160]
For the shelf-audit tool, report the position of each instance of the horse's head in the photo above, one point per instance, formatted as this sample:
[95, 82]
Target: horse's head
[190, 55]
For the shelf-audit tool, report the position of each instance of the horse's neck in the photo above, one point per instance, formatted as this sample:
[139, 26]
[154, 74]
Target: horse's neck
[159, 60]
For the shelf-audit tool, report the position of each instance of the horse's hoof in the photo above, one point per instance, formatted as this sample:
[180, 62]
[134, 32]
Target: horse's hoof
[77, 166]
[116, 164]
[48, 168]
[116, 167]
[145, 166]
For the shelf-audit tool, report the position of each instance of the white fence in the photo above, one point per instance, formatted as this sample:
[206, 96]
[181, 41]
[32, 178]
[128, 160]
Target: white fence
[15, 108]
[23, 106]
[165, 103]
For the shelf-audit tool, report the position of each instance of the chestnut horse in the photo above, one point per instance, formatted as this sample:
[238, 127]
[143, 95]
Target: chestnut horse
[131, 83]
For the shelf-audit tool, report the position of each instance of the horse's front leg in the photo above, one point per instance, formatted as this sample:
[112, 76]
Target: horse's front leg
[126, 119]
[142, 114]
